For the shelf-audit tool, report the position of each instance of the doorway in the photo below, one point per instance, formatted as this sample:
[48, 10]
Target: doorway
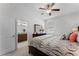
[21, 33]
[18, 47]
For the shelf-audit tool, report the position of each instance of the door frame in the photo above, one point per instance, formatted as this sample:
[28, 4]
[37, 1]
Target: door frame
[16, 36]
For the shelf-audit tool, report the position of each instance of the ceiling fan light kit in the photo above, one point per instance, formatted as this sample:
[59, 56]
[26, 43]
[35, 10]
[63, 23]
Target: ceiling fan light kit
[48, 11]
[49, 8]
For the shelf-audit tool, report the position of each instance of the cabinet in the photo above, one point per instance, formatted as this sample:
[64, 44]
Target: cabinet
[22, 37]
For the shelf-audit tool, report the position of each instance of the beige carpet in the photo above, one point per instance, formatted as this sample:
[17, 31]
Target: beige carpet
[22, 50]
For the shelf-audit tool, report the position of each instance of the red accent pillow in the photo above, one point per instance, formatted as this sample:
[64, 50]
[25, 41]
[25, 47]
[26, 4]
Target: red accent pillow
[69, 35]
[73, 37]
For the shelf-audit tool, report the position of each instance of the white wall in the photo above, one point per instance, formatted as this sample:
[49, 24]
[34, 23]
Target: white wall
[63, 23]
[15, 11]
[71, 21]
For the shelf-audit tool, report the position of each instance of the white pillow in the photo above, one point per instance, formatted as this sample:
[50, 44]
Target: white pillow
[78, 37]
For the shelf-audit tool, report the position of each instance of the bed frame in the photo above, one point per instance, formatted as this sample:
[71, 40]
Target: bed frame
[34, 51]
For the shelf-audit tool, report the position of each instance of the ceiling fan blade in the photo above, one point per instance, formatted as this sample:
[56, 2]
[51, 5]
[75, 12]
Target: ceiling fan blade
[48, 6]
[55, 9]
[42, 8]
[52, 4]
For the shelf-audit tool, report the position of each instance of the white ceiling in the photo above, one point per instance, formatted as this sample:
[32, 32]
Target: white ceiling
[31, 10]
[65, 8]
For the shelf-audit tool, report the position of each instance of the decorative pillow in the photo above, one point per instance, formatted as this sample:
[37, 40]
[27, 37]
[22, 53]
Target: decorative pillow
[78, 37]
[73, 37]
[69, 35]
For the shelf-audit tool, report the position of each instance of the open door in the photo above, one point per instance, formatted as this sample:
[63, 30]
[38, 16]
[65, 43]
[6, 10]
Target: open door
[7, 35]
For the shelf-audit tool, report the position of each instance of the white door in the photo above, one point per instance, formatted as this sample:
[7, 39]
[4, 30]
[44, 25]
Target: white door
[7, 35]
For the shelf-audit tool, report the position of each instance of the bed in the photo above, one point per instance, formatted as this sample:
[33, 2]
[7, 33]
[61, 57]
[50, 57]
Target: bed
[53, 45]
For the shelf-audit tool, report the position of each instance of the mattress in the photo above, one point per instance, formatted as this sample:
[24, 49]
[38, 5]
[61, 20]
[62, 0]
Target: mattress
[53, 46]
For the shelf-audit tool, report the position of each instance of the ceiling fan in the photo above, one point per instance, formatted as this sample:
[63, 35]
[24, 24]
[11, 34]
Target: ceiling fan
[49, 8]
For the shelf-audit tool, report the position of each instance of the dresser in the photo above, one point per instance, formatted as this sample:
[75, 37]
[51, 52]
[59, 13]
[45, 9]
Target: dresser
[40, 34]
